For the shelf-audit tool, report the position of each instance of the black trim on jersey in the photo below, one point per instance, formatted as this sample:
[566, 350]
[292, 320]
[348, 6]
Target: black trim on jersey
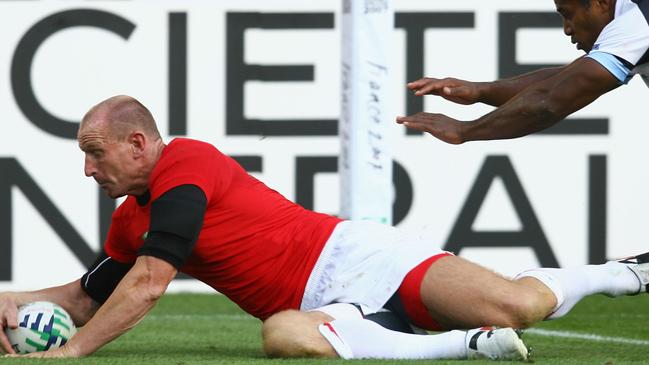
[143, 199]
[643, 5]
[176, 220]
[644, 59]
[102, 277]
[626, 63]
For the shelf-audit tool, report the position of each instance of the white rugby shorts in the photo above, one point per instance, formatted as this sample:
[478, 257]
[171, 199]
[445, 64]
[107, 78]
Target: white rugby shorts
[364, 263]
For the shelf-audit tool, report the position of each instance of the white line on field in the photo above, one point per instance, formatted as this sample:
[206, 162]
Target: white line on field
[534, 331]
[586, 336]
[185, 317]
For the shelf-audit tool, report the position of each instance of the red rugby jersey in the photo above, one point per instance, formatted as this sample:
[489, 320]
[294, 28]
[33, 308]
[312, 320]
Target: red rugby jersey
[255, 246]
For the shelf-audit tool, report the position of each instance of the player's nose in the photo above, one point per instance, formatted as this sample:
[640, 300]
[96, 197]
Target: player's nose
[567, 28]
[89, 167]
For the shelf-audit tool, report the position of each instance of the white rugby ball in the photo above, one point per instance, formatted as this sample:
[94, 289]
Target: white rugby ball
[41, 326]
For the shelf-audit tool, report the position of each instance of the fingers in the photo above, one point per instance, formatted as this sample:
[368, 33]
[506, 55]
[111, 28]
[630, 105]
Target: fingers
[51, 354]
[5, 344]
[8, 319]
[33, 354]
[427, 85]
[413, 122]
[418, 117]
[54, 353]
[418, 84]
[456, 91]
[11, 316]
[438, 125]
[443, 87]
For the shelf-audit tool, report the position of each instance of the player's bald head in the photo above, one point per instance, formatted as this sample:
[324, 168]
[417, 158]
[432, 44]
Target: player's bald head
[119, 116]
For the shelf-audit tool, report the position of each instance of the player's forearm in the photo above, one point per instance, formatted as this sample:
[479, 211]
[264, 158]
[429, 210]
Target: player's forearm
[133, 298]
[545, 102]
[526, 113]
[69, 296]
[112, 320]
[499, 92]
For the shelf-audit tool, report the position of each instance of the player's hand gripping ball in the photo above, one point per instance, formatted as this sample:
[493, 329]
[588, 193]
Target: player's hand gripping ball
[41, 326]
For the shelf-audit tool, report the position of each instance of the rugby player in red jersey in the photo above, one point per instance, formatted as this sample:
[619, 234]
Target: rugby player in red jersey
[321, 285]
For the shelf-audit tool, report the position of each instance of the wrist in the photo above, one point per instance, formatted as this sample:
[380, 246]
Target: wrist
[72, 350]
[468, 130]
[491, 93]
[482, 91]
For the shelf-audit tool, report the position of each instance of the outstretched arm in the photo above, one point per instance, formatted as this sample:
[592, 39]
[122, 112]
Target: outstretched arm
[176, 221]
[129, 292]
[133, 298]
[69, 296]
[493, 93]
[535, 108]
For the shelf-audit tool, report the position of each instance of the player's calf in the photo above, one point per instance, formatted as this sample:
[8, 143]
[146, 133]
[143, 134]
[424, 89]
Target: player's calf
[294, 333]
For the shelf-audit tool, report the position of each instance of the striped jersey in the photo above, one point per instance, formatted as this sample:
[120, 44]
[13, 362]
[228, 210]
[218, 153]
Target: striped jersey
[623, 45]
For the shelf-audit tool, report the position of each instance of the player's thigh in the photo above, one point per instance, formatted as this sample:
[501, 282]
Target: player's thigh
[293, 333]
[461, 294]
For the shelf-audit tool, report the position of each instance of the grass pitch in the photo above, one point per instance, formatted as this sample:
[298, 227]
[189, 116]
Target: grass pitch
[187, 329]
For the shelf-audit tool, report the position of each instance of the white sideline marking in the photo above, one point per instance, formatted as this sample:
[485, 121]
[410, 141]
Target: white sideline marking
[534, 331]
[205, 317]
[586, 336]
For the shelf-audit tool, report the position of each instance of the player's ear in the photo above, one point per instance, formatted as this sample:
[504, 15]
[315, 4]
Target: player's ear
[138, 141]
[607, 6]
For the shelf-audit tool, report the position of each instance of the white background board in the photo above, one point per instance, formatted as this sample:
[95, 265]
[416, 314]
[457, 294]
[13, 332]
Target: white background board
[75, 68]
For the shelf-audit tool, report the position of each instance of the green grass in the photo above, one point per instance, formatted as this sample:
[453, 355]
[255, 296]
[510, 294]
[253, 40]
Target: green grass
[186, 329]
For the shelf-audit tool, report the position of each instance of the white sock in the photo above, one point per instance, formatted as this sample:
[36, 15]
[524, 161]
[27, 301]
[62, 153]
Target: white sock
[573, 284]
[354, 338]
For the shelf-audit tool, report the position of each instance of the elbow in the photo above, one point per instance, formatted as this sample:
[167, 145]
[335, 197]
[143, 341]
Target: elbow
[156, 291]
[153, 289]
[545, 116]
[546, 113]
[152, 276]
[151, 295]
[553, 105]
[148, 287]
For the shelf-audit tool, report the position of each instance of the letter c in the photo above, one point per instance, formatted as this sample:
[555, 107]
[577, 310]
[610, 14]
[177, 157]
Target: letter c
[21, 63]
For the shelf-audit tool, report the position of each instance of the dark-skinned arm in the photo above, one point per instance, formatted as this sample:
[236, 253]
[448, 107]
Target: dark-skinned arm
[499, 92]
[494, 93]
[537, 107]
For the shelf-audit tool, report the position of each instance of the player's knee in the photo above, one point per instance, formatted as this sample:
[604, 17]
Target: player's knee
[277, 331]
[293, 333]
[520, 311]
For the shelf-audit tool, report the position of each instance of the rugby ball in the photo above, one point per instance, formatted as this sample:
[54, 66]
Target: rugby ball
[41, 326]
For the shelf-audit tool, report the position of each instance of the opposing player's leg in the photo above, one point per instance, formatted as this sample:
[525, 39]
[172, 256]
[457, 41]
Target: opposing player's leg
[341, 330]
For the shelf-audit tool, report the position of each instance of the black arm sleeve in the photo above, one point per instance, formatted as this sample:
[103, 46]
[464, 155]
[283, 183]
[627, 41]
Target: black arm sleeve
[102, 277]
[176, 221]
